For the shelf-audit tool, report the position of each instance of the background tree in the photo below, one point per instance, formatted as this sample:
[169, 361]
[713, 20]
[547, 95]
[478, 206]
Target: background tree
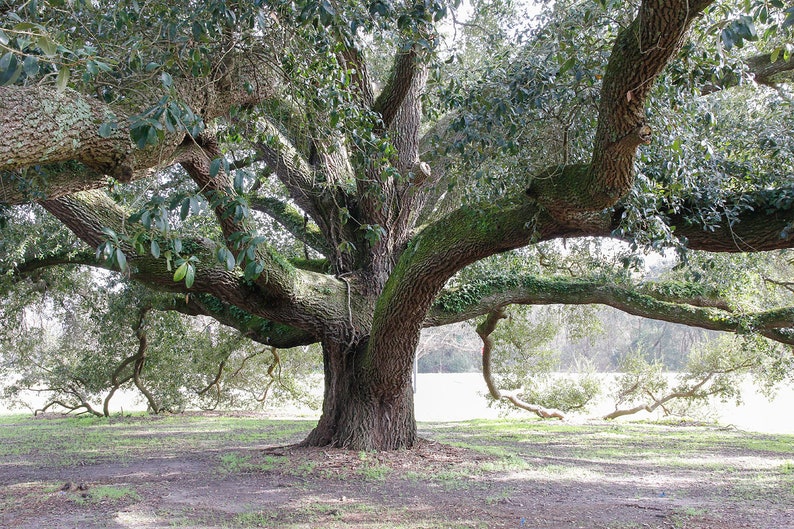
[286, 111]
[72, 339]
[715, 369]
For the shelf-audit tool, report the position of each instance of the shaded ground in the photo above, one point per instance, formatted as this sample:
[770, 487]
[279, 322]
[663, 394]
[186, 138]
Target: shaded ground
[231, 472]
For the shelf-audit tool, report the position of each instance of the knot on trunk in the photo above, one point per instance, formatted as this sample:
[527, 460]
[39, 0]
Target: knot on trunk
[639, 135]
[421, 172]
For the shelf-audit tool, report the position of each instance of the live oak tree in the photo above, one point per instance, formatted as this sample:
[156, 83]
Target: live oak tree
[394, 164]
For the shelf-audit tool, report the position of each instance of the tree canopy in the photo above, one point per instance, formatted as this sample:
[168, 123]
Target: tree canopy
[347, 173]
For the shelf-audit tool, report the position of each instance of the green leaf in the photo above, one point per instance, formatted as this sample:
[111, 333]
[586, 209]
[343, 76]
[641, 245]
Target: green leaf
[748, 30]
[789, 18]
[185, 209]
[177, 245]
[215, 167]
[568, 65]
[167, 80]
[190, 275]
[180, 272]
[48, 46]
[121, 260]
[253, 270]
[139, 249]
[106, 129]
[31, 66]
[4, 40]
[728, 38]
[238, 181]
[10, 70]
[146, 219]
[155, 249]
[62, 79]
[226, 257]
[5, 61]
[151, 135]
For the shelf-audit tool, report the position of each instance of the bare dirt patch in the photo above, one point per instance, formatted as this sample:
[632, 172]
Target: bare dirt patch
[239, 471]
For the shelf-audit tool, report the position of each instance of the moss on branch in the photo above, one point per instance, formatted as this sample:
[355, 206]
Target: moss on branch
[481, 296]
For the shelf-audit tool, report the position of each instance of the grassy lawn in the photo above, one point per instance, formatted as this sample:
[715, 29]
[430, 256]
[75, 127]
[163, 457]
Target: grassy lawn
[211, 470]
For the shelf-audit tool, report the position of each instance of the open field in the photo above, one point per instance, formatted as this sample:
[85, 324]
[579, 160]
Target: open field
[461, 397]
[210, 470]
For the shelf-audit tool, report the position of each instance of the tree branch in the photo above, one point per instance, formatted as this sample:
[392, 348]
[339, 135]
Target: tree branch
[406, 67]
[484, 330]
[293, 221]
[250, 325]
[316, 193]
[316, 300]
[640, 53]
[140, 359]
[353, 61]
[775, 324]
[768, 73]
[44, 128]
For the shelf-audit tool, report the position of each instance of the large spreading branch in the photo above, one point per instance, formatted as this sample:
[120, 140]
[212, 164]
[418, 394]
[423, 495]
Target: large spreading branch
[315, 299]
[44, 128]
[640, 53]
[776, 324]
[256, 328]
[472, 233]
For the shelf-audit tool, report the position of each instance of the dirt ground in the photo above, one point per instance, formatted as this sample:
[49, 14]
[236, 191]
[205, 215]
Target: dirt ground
[199, 472]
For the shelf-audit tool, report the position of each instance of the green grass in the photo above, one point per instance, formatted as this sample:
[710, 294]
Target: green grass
[236, 462]
[503, 496]
[255, 519]
[683, 519]
[74, 441]
[107, 493]
[374, 472]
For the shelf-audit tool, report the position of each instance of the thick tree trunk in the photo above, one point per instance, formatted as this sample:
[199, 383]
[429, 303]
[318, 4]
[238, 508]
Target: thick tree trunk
[358, 412]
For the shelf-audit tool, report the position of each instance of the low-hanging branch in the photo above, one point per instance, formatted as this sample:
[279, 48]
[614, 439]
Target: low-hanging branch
[313, 297]
[681, 392]
[251, 326]
[484, 330]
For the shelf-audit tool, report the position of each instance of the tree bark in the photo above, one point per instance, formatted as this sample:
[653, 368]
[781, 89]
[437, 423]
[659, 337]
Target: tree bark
[360, 413]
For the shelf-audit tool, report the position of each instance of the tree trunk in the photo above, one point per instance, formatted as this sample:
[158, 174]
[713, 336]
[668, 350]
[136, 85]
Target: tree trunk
[358, 412]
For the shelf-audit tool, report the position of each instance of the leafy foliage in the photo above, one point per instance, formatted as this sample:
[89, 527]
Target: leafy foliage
[524, 359]
[715, 369]
[73, 340]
